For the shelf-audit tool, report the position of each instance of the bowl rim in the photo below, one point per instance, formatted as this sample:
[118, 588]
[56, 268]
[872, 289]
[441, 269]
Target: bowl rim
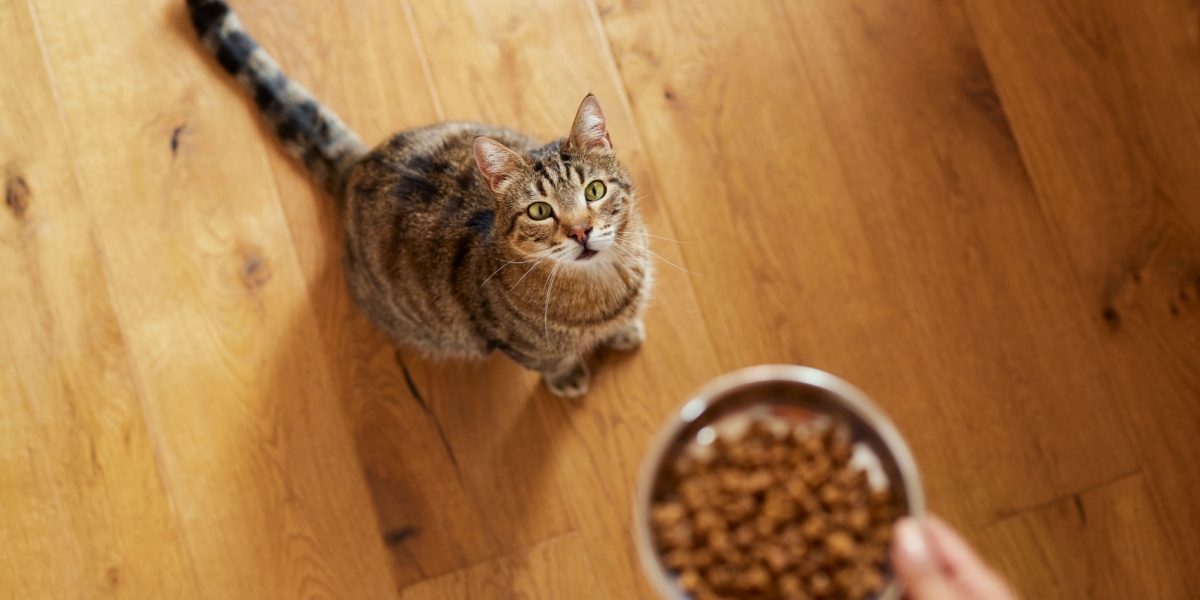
[699, 402]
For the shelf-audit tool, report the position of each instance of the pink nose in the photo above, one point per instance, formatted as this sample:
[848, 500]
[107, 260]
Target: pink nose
[580, 234]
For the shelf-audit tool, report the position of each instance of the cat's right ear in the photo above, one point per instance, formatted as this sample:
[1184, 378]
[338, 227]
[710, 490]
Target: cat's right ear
[496, 162]
[590, 130]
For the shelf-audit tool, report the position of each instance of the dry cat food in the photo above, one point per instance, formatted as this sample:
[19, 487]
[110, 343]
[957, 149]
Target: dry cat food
[772, 510]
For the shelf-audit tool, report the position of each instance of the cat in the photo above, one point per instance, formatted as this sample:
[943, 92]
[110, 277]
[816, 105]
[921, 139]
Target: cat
[463, 238]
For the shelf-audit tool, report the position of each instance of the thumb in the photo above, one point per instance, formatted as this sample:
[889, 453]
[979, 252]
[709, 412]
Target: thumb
[916, 567]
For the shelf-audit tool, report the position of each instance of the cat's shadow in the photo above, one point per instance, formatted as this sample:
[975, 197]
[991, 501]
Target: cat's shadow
[456, 455]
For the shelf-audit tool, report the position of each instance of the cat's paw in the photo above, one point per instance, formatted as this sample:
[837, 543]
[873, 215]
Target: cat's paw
[570, 383]
[629, 338]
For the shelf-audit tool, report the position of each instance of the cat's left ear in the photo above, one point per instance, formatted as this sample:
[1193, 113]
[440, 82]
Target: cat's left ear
[590, 131]
[496, 162]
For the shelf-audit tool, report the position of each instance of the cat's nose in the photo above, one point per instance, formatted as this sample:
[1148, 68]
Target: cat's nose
[580, 234]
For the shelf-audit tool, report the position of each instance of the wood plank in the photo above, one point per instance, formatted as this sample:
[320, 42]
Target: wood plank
[79, 481]
[1102, 100]
[1106, 542]
[213, 307]
[461, 481]
[556, 568]
[959, 216]
[735, 150]
[494, 64]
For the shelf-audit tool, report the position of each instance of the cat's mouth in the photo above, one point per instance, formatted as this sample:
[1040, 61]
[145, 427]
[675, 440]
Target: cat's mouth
[586, 253]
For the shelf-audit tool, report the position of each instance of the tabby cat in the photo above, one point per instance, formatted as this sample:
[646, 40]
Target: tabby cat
[464, 238]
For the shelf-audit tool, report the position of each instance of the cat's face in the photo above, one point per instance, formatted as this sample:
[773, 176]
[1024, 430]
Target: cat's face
[567, 203]
[568, 208]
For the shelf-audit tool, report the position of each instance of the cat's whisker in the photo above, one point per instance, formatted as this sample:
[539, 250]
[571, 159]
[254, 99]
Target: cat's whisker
[546, 309]
[634, 243]
[626, 246]
[506, 264]
[527, 272]
[630, 255]
[624, 252]
[513, 262]
[489, 277]
[659, 257]
[616, 245]
[624, 238]
[657, 237]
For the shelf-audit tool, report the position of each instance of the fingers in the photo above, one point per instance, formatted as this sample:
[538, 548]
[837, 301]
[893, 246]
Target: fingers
[954, 553]
[916, 566]
[933, 562]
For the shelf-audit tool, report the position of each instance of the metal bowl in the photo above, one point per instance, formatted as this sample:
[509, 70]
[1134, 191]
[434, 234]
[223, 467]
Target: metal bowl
[787, 387]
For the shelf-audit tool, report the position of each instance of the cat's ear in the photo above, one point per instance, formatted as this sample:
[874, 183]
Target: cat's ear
[497, 163]
[590, 131]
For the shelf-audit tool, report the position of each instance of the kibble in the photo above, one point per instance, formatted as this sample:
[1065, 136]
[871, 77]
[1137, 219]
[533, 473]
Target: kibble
[774, 513]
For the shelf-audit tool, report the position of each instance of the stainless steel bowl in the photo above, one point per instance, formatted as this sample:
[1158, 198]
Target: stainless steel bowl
[785, 386]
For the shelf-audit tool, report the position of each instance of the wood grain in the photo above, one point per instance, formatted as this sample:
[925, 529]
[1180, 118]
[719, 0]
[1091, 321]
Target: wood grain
[960, 216]
[213, 310]
[1120, 553]
[81, 490]
[555, 568]
[984, 213]
[1120, 186]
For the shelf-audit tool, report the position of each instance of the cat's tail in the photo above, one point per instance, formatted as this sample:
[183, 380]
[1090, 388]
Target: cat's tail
[307, 130]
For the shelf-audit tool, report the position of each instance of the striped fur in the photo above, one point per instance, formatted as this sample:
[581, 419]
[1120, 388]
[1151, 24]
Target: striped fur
[442, 251]
[306, 129]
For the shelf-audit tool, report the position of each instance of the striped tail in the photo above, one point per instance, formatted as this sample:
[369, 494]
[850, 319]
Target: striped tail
[307, 130]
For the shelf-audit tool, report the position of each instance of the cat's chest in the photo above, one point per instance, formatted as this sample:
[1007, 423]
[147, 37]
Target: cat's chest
[593, 310]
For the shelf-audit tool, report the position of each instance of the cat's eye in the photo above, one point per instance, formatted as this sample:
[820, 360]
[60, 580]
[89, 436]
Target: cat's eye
[539, 211]
[594, 191]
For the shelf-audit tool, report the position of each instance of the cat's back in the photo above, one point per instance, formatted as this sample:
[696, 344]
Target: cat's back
[421, 169]
[417, 217]
[421, 188]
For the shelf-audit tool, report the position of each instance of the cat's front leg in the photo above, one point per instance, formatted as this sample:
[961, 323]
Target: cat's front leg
[628, 338]
[567, 378]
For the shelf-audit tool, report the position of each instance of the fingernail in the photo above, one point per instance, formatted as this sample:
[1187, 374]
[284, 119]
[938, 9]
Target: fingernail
[912, 542]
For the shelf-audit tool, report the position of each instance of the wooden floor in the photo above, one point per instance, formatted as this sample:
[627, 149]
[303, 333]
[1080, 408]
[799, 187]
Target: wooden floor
[985, 213]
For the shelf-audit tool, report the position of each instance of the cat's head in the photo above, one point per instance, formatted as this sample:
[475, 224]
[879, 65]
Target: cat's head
[569, 201]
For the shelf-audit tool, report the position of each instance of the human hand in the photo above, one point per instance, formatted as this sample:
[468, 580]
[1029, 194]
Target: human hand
[933, 562]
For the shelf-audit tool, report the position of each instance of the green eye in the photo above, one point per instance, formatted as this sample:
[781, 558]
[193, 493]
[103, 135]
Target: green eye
[594, 191]
[539, 211]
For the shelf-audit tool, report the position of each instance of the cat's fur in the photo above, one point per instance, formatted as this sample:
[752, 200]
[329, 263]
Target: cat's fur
[441, 251]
